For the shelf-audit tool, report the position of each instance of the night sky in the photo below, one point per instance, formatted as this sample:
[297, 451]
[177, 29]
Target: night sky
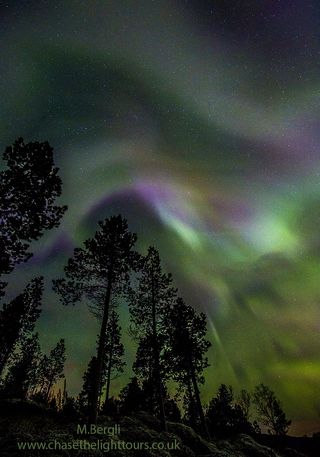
[198, 121]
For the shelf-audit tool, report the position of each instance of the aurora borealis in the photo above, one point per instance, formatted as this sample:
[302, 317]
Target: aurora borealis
[199, 122]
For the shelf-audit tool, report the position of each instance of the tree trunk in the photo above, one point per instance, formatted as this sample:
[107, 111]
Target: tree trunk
[198, 402]
[48, 390]
[108, 382]
[109, 369]
[163, 422]
[4, 360]
[65, 394]
[193, 406]
[93, 414]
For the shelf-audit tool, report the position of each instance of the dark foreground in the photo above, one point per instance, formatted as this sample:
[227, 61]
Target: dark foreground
[23, 423]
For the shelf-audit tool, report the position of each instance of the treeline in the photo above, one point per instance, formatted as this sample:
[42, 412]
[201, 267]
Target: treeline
[29, 187]
[107, 270]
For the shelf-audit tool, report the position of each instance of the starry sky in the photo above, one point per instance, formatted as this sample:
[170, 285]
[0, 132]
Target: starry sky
[199, 122]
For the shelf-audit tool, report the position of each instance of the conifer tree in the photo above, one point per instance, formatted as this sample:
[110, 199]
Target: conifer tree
[148, 304]
[143, 367]
[113, 365]
[132, 397]
[18, 318]
[29, 187]
[185, 352]
[22, 371]
[86, 395]
[99, 272]
[114, 351]
[226, 417]
[53, 368]
[143, 364]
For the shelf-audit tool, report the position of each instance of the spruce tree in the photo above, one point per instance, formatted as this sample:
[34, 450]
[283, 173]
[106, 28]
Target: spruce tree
[85, 397]
[99, 272]
[185, 352]
[29, 187]
[148, 304]
[18, 318]
[225, 416]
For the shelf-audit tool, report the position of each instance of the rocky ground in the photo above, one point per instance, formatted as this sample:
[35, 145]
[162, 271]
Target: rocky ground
[28, 422]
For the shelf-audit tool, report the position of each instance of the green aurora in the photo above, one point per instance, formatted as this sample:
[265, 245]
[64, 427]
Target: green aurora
[200, 125]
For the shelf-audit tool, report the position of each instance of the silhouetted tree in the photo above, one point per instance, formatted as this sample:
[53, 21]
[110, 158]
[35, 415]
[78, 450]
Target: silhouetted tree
[270, 411]
[70, 409]
[143, 364]
[113, 366]
[18, 318]
[148, 304]
[224, 417]
[99, 272]
[172, 410]
[244, 402]
[131, 397]
[51, 368]
[29, 187]
[111, 407]
[150, 400]
[85, 397]
[22, 371]
[144, 369]
[185, 352]
[114, 351]
[191, 416]
[60, 400]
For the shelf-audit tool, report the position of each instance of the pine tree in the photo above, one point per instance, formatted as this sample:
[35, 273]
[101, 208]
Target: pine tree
[28, 190]
[99, 272]
[185, 352]
[114, 351]
[143, 367]
[148, 304]
[53, 371]
[22, 371]
[143, 364]
[113, 365]
[18, 318]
